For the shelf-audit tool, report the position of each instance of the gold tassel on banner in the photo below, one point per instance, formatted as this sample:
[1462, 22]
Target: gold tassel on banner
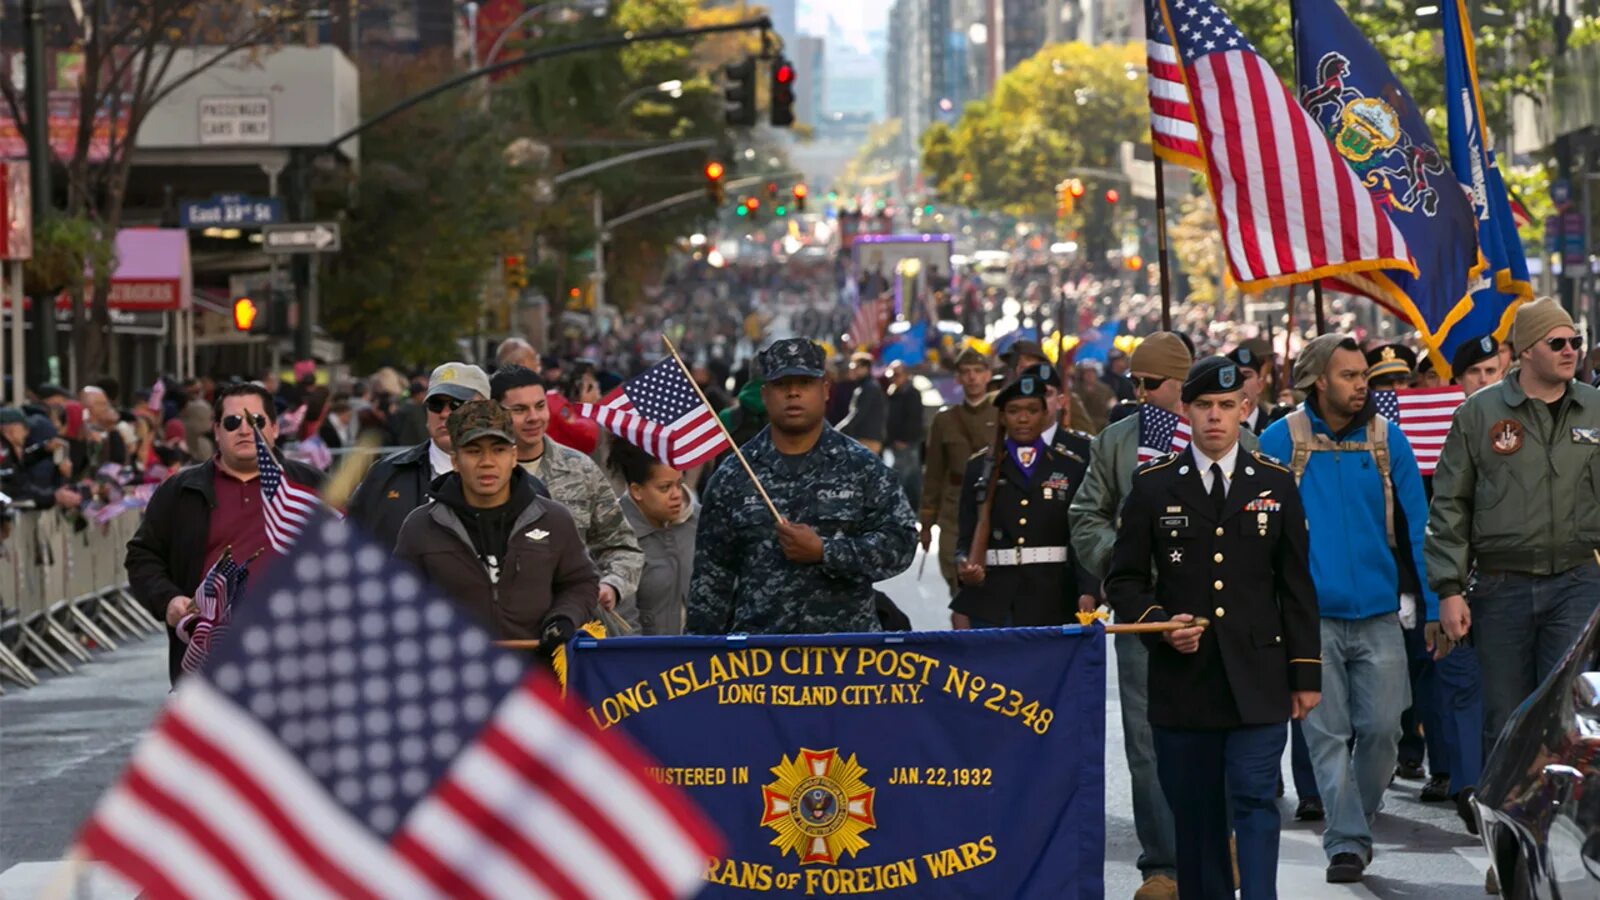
[558, 660]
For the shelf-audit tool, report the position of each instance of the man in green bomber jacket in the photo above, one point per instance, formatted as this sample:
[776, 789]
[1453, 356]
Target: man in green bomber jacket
[1516, 514]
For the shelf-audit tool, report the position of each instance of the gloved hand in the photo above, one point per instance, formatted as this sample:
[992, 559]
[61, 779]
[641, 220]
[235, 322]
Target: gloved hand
[557, 631]
[1408, 611]
[1436, 640]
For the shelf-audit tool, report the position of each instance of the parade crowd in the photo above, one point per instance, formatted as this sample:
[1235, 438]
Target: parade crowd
[1310, 574]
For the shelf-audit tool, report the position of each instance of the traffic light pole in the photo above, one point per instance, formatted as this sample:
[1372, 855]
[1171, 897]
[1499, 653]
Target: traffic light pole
[46, 359]
[687, 196]
[599, 294]
[624, 159]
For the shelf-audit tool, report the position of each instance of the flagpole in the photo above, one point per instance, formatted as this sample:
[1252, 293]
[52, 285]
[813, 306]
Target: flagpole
[1288, 346]
[725, 433]
[1161, 245]
[1322, 317]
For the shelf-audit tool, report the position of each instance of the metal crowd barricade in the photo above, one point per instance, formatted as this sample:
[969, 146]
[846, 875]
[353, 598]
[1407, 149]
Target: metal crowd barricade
[63, 593]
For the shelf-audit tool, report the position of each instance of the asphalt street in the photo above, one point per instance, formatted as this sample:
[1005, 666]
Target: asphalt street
[63, 742]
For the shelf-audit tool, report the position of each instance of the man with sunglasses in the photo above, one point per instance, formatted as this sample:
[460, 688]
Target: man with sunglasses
[397, 484]
[1516, 514]
[203, 510]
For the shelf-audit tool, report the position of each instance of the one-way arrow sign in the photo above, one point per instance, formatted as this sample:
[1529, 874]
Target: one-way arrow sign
[301, 237]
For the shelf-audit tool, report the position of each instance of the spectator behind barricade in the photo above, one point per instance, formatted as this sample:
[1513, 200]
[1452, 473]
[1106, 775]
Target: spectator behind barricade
[663, 513]
[581, 384]
[197, 424]
[487, 538]
[339, 427]
[516, 352]
[710, 385]
[203, 510]
[550, 370]
[28, 471]
[398, 483]
[868, 416]
[576, 481]
[410, 419]
[105, 439]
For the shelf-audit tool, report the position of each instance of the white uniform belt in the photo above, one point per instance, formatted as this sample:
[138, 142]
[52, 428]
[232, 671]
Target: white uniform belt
[1025, 556]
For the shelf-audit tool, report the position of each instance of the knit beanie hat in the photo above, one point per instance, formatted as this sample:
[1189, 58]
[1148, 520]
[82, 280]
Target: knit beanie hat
[1535, 320]
[1314, 356]
[1163, 355]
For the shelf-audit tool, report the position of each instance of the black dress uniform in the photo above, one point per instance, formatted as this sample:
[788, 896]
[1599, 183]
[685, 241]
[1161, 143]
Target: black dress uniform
[1236, 555]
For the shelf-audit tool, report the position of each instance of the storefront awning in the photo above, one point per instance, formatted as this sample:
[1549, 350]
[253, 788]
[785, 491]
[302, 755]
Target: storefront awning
[153, 273]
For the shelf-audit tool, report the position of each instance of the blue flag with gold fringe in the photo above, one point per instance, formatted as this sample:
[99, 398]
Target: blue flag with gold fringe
[1374, 124]
[1505, 283]
[966, 764]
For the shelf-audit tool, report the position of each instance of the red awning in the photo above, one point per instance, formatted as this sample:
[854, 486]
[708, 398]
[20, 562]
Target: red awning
[153, 273]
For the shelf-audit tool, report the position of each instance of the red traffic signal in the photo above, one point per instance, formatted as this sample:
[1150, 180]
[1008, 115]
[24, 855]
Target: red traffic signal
[800, 191]
[783, 73]
[244, 314]
[715, 171]
[1112, 196]
[752, 203]
[1075, 187]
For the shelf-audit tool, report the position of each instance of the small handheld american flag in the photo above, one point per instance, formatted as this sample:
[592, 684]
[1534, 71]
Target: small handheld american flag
[287, 505]
[1424, 416]
[1160, 432]
[220, 587]
[357, 737]
[661, 411]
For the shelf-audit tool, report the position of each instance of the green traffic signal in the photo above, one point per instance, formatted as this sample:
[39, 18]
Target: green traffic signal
[740, 210]
[782, 210]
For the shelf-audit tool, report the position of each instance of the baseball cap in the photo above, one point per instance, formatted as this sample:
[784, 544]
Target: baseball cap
[791, 357]
[459, 380]
[479, 418]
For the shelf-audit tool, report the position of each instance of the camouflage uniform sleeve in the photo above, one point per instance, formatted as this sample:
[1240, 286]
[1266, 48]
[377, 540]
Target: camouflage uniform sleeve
[887, 538]
[612, 543]
[711, 585]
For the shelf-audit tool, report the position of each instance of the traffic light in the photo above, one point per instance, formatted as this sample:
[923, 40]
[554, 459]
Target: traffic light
[244, 314]
[1075, 187]
[1112, 196]
[1134, 262]
[739, 94]
[751, 204]
[780, 210]
[714, 173]
[1064, 199]
[800, 193]
[514, 271]
[782, 93]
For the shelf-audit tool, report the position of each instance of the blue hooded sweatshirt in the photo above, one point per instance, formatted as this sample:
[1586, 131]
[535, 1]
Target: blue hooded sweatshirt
[1354, 568]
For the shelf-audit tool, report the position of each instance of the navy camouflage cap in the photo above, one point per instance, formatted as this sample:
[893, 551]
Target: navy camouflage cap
[476, 419]
[792, 357]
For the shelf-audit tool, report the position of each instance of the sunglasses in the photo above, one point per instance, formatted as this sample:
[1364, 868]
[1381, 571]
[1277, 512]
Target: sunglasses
[232, 423]
[438, 403]
[1556, 345]
[1152, 384]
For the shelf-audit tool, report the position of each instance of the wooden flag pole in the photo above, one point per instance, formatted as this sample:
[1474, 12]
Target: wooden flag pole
[1161, 246]
[1322, 317]
[1288, 346]
[1117, 628]
[718, 419]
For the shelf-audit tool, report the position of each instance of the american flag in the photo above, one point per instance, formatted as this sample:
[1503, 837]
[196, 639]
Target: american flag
[1290, 208]
[1173, 135]
[222, 584]
[1160, 432]
[868, 322]
[357, 737]
[288, 506]
[661, 411]
[1424, 416]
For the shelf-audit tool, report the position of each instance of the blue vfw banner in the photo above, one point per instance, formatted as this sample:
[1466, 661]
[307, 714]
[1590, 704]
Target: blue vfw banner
[962, 764]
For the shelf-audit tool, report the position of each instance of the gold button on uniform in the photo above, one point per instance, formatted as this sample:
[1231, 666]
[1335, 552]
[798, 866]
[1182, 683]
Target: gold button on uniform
[1219, 531]
[1220, 612]
[1020, 542]
[1216, 585]
[1024, 503]
[1022, 521]
[1217, 558]
[1174, 534]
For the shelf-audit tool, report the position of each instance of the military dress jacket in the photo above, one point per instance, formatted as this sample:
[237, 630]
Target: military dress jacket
[743, 583]
[1028, 515]
[1246, 570]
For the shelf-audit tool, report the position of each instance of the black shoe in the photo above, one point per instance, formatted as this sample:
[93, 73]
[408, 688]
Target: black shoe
[1309, 810]
[1437, 790]
[1346, 868]
[1464, 809]
[1410, 771]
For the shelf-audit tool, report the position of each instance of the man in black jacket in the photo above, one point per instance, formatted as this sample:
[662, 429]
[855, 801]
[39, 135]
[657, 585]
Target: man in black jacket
[397, 484]
[198, 513]
[906, 429]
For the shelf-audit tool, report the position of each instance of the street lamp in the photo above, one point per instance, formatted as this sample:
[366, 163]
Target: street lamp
[597, 7]
[673, 89]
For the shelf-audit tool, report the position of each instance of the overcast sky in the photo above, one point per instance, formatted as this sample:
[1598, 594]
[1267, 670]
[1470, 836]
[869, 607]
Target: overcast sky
[856, 16]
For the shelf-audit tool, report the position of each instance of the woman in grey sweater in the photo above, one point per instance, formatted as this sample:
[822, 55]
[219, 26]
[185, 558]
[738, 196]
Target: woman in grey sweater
[664, 514]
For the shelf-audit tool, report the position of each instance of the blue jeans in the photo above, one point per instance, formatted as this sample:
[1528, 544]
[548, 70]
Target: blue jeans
[1214, 780]
[1152, 817]
[1522, 626]
[1458, 717]
[1365, 688]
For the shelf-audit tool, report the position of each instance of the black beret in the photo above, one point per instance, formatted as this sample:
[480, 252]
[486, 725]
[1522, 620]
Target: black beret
[1045, 373]
[1212, 375]
[1472, 352]
[1028, 384]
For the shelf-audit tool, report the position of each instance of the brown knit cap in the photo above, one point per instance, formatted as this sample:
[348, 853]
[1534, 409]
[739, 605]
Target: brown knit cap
[1162, 354]
[1314, 356]
[1536, 320]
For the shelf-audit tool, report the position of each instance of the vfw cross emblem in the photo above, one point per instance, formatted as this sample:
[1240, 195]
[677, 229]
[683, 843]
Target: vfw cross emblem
[819, 806]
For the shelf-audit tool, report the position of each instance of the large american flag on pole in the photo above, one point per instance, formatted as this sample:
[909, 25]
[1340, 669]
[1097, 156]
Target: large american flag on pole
[1290, 208]
[287, 505]
[661, 411]
[1160, 432]
[357, 737]
[1424, 416]
[868, 322]
[1173, 134]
